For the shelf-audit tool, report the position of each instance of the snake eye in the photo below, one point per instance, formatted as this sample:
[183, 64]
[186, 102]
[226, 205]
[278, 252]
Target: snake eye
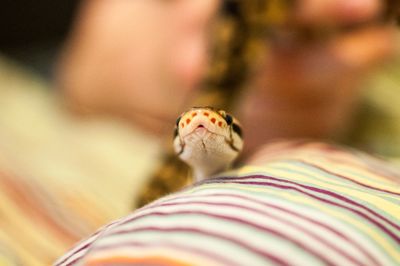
[178, 120]
[228, 119]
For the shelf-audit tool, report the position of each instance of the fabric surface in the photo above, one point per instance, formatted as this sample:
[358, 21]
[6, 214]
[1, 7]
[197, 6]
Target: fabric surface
[294, 204]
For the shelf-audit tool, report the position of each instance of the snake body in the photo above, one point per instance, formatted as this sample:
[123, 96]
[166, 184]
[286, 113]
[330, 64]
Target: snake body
[228, 71]
[208, 140]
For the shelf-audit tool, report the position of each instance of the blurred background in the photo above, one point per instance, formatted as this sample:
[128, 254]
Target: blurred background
[90, 90]
[33, 33]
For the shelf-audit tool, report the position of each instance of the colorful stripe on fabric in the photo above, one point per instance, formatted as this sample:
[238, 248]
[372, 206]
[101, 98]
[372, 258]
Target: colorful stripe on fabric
[309, 207]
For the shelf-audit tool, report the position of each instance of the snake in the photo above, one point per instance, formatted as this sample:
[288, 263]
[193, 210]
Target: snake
[208, 140]
[238, 45]
[229, 68]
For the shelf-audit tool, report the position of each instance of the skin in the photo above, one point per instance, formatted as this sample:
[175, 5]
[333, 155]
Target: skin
[320, 95]
[117, 48]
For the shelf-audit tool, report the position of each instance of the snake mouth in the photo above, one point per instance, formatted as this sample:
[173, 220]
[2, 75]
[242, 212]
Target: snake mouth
[199, 130]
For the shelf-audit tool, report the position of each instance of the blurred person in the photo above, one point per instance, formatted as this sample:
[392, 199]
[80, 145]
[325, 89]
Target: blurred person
[303, 89]
[117, 61]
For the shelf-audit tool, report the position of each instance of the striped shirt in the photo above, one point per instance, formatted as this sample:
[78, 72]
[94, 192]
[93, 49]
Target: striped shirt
[293, 204]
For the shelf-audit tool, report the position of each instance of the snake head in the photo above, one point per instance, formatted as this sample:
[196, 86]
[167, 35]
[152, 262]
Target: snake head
[207, 139]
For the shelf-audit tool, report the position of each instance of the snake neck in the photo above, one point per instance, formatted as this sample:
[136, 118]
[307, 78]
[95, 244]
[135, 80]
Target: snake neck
[201, 173]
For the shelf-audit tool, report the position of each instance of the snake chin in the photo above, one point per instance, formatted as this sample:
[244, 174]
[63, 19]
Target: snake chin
[205, 147]
[200, 138]
[201, 131]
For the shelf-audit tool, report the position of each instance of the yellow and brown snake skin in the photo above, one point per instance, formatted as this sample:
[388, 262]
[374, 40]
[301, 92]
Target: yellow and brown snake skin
[236, 42]
[238, 45]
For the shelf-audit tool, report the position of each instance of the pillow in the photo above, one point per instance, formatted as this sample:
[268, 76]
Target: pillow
[293, 204]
